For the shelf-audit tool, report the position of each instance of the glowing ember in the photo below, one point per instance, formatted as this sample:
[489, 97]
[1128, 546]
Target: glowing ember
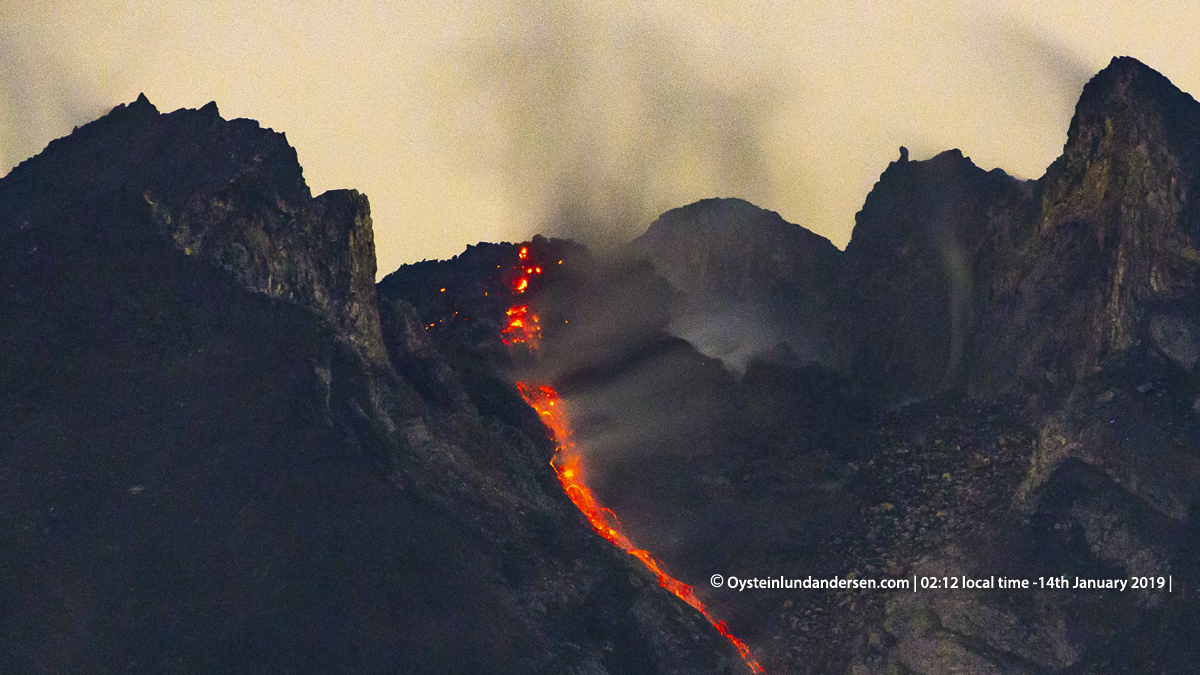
[521, 283]
[523, 327]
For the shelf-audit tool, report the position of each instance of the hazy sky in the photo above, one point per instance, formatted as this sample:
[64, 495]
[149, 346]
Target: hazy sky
[492, 120]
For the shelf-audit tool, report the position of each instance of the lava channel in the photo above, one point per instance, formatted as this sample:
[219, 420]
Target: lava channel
[567, 462]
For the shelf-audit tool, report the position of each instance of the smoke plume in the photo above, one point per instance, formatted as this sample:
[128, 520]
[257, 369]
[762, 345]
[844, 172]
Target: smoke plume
[605, 123]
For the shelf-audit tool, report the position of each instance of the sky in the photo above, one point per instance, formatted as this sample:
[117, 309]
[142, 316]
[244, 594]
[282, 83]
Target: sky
[493, 120]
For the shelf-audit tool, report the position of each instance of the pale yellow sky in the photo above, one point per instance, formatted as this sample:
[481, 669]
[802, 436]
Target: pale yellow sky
[492, 120]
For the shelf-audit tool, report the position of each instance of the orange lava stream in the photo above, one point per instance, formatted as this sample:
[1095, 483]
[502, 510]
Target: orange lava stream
[545, 400]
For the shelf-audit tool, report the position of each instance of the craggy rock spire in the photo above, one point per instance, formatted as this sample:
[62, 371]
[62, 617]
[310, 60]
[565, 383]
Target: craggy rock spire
[968, 280]
[916, 272]
[1119, 220]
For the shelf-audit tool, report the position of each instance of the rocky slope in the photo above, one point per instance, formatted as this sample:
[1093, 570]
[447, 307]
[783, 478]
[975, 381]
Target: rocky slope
[221, 453]
[1108, 264]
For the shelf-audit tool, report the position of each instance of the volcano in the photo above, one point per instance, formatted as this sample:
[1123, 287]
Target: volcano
[721, 448]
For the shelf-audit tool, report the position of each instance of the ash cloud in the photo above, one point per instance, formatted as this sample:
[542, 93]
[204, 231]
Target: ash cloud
[666, 433]
[634, 388]
[603, 123]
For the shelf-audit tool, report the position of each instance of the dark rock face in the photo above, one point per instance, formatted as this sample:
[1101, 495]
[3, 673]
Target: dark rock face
[1070, 304]
[1082, 316]
[965, 280]
[914, 282]
[228, 193]
[1113, 261]
[221, 453]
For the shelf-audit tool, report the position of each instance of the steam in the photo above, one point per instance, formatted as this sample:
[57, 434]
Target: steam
[733, 334]
[959, 277]
[603, 125]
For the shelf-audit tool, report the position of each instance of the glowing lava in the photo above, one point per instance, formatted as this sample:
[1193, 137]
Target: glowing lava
[522, 327]
[568, 466]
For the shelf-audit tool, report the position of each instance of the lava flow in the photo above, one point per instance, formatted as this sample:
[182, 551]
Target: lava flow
[567, 463]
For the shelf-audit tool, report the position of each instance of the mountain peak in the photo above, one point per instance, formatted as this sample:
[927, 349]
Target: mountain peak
[1129, 115]
[1125, 84]
[1127, 104]
[142, 101]
[1121, 71]
[726, 222]
[226, 191]
[141, 109]
[753, 267]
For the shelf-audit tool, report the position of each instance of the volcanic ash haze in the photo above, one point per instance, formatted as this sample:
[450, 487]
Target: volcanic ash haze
[602, 125]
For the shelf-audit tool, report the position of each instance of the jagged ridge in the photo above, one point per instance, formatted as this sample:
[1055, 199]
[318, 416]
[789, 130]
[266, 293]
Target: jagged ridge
[211, 449]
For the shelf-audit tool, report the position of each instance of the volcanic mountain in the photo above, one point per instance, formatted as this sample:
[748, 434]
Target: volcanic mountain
[223, 453]
[226, 449]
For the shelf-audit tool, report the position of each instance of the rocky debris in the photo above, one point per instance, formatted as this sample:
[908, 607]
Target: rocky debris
[414, 356]
[1027, 347]
[940, 472]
